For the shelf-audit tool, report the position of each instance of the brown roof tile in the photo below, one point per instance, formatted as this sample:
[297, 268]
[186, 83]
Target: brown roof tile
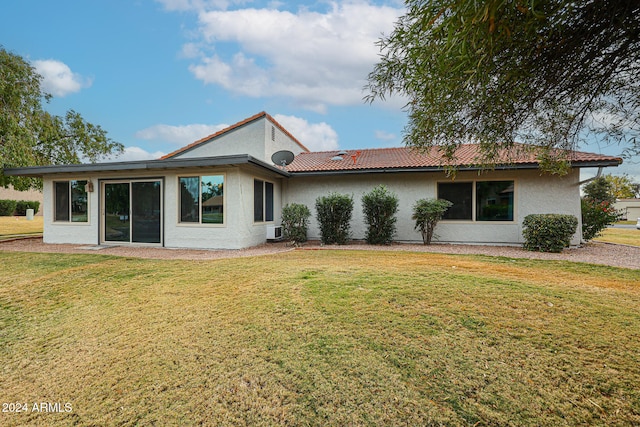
[467, 156]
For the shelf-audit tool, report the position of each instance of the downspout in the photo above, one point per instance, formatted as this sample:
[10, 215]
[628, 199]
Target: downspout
[593, 178]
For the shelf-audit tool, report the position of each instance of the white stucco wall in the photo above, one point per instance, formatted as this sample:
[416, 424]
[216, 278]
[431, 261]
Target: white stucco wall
[82, 233]
[254, 138]
[281, 141]
[238, 231]
[534, 193]
[246, 139]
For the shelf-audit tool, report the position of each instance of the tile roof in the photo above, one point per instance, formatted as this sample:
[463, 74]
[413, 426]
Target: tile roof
[405, 158]
[232, 127]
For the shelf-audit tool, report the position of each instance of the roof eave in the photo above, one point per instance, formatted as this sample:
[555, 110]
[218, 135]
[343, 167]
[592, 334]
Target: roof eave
[582, 164]
[405, 169]
[141, 165]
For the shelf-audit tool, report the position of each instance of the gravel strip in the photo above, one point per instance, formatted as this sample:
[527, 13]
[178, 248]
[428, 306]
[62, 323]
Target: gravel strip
[593, 252]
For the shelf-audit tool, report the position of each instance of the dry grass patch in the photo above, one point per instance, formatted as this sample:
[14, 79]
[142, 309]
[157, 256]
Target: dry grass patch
[625, 236]
[320, 338]
[17, 225]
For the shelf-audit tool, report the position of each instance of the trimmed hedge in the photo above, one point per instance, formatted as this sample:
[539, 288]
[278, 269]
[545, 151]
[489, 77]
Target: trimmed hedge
[295, 219]
[548, 232]
[23, 205]
[380, 207]
[7, 207]
[18, 207]
[334, 215]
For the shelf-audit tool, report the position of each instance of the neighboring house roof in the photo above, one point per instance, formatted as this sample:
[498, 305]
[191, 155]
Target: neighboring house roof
[151, 165]
[232, 127]
[409, 159]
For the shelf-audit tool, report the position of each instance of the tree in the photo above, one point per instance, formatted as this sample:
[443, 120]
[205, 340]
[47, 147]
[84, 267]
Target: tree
[599, 190]
[551, 73]
[427, 213]
[597, 208]
[622, 187]
[30, 136]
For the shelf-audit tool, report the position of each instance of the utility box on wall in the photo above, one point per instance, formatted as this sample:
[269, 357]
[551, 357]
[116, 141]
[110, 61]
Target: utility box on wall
[274, 232]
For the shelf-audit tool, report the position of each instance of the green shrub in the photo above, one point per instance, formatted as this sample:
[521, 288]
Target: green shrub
[334, 216]
[23, 205]
[596, 216]
[548, 232]
[7, 207]
[380, 207]
[427, 213]
[295, 219]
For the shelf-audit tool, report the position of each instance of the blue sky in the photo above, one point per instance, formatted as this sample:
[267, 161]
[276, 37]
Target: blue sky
[159, 74]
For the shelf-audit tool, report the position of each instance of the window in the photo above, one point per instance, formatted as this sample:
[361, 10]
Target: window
[71, 202]
[493, 200]
[262, 201]
[460, 194]
[202, 199]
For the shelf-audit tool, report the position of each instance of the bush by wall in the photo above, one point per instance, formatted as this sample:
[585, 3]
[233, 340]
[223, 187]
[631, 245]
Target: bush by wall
[334, 216]
[380, 207]
[23, 205]
[548, 232]
[7, 207]
[295, 220]
[427, 213]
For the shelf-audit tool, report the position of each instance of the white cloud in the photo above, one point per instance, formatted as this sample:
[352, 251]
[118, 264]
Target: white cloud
[384, 136]
[187, 5]
[314, 136]
[316, 58]
[58, 79]
[181, 135]
[131, 154]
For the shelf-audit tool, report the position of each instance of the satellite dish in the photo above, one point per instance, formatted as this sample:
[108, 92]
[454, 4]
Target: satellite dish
[282, 158]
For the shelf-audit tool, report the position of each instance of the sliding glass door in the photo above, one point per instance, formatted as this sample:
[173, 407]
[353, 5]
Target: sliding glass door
[132, 211]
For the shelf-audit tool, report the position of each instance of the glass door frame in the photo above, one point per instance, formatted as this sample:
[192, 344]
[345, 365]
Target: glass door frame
[102, 220]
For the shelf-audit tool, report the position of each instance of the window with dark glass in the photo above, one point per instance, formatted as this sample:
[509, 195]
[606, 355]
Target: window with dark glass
[460, 194]
[71, 202]
[268, 201]
[494, 201]
[262, 201]
[202, 199]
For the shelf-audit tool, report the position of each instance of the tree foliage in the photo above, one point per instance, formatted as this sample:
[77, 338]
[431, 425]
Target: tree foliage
[623, 187]
[426, 214]
[597, 207]
[551, 73]
[30, 136]
[599, 190]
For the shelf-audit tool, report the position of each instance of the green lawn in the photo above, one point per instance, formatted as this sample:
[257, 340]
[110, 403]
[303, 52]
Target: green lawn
[11, 226]
[319, 338]
[625, 236]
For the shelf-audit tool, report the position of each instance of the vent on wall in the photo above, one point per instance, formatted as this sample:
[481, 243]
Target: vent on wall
[273, 133]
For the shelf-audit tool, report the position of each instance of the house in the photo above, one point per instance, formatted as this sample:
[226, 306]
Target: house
[224, 191]
[629, 208]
